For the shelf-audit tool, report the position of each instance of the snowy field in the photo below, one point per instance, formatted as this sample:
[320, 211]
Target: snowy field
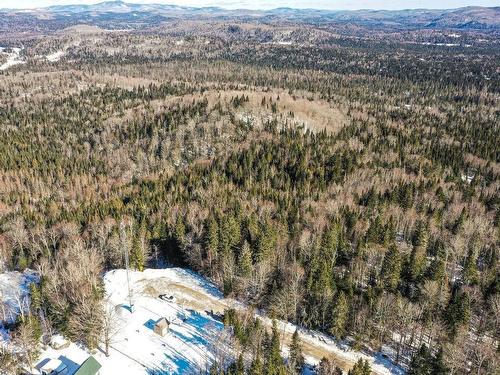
[194, 336]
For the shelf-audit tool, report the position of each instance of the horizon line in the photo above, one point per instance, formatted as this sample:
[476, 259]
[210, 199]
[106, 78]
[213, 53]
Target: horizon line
[245, 9]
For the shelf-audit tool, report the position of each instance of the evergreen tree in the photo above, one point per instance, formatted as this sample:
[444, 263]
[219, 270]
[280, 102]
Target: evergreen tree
[361, 367]
[212, 239]
[437, 269]
[245, 265]
[438, 364]
[36, 296]
[460, 221]
[22, 260]
[367, 370]
[256, 367]
[458, 311]
[137, 252]
[327, 367]
[266, 242]
[237, 367]
[240, 365]
[421, 362]
[391, 268]
[418, 255]
[296, 357]
[339, 315]
[229, 235]
[274, 362]
[329, 244]
[179, 230]
[470, 271]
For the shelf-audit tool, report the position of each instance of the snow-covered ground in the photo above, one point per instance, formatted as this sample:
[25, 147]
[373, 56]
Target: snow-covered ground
[13, 58]
[14, 294]
[56, 56]
[195, 337]
[190, 344]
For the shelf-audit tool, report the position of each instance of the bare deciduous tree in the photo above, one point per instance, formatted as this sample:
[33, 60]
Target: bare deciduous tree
[111, 325]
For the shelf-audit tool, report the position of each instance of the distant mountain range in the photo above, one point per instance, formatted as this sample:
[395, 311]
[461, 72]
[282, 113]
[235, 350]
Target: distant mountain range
[474, 18]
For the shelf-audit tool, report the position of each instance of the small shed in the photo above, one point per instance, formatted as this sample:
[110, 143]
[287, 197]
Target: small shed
[89, 367]
[162, 326]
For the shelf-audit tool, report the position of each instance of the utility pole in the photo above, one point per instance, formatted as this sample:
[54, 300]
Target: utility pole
[125, 253]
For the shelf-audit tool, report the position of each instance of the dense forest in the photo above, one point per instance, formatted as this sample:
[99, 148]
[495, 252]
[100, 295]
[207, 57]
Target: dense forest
[343, 187]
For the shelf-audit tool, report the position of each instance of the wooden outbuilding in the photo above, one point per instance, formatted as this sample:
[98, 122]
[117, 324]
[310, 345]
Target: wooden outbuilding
[162, 326]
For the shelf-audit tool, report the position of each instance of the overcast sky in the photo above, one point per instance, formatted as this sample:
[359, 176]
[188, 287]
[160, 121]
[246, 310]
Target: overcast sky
[267, 4]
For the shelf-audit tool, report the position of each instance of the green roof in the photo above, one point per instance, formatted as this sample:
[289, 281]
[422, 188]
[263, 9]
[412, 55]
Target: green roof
[89, 367]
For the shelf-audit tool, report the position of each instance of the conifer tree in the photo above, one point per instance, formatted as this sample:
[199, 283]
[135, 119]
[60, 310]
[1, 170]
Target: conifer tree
[274, 362]
[36, 296]
[256, 367]
[330, 243]
[296, 357]
[229, 235]
[458, 311]
[179, 230]
[240, 365]
[391, 268]
[327, 367]
[245, 265]
[470, 271]
[266, 242]
[340, 314]
[212, 239]
[361, 367]
[137, 251]
[421, 362]
[417, 260]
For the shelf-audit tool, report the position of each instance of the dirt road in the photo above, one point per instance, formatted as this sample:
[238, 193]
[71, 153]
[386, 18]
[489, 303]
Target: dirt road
[315, 345]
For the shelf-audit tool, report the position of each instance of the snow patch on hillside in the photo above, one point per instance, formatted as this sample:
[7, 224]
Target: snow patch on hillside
[13, 58]
[56, 56]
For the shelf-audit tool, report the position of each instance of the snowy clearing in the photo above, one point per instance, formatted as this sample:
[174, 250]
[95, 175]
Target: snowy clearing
[190, 344]
[13, 58]
[56, 56]
[195, 336]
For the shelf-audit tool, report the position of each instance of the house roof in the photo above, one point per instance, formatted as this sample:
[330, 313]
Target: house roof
[53, 364]
[162, 323]
[89, 367]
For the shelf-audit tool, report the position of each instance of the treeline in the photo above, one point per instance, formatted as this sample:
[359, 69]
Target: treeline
[386, 232]
[260, 351]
